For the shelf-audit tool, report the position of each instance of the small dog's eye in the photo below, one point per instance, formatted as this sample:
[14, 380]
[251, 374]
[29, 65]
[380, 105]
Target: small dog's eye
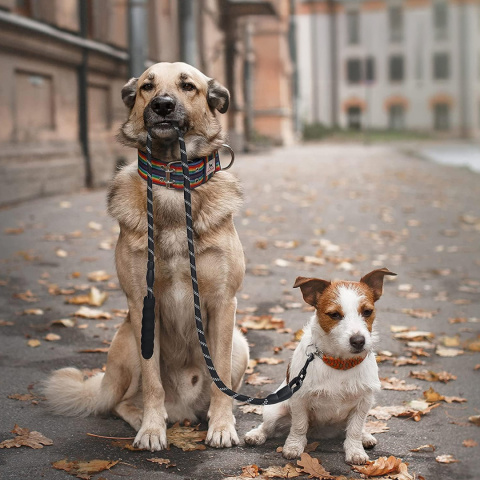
[367, 313]
[335, 316]
[188, 87]
[147, 87]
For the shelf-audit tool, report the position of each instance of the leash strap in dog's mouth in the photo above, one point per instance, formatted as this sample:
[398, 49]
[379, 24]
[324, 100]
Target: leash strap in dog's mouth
[148, 320]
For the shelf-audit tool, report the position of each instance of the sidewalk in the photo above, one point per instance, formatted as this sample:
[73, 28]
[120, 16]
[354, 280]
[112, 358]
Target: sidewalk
[328, 211]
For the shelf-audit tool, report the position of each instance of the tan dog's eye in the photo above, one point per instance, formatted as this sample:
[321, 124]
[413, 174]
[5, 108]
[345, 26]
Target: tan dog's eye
[147, 87]
[335, 315]
[367, 313]
[188, 87]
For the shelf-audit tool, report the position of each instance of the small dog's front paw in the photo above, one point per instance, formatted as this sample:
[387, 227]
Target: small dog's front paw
[293, 449]
[256, 436]
[368, 440]
[153, 439]
[356, 456]
[222, 433]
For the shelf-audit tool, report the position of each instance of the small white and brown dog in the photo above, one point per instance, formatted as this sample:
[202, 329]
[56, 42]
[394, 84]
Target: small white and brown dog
[339, 385]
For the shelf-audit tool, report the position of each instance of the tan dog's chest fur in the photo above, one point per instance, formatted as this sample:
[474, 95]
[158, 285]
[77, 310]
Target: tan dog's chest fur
[174, 384]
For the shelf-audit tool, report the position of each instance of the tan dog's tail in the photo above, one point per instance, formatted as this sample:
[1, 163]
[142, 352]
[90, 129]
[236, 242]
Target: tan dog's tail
[68, 393]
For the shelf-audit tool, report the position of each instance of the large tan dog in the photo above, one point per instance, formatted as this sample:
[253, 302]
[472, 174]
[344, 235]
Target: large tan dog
[174, 384]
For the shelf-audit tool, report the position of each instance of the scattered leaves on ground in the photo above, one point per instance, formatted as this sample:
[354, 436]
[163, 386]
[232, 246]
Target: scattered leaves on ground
[27, 296]
[84, 469]
[257, 379]
[261, 322]
[276, 471]
[445, 459]
[250, 471]
[186, 438]
[26, 438]
[376, 426]
[381, 466]
[394, 383]
[419, 312]
[431, 376]
[313, 467]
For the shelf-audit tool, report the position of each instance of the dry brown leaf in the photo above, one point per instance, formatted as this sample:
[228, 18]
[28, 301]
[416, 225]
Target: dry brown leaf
[95, 298]
[99, 276]
[261, 322]
[450, 341]
[23, 397]
[95, 226]
[431, 395]
[475, 419]
[13, 231]
[52, 337]
[394, 383]
[387, 412]
[424, 448]
[270, 360]
[64, 322]
[33, 311]
[27, 296]
[448, 352]
[313, 467]
[287, 245]
[95, 350]
[257, 379]
[26, 438]
[60, 252]
[5, 323]
[473, 345]
[311, 447]
[250, 471]
[276, 471]
[455, 399]
[33, 342]
[414, 336]
[419, 312]
[92, 313]
[469, 443]
[401, 361]
[162, 461]
[186, 438]
[84, 469]
[258, 409]
[259, 270]
[376, 426]
[431, 376]
[381, 466]
[125, 445]
[445, 459]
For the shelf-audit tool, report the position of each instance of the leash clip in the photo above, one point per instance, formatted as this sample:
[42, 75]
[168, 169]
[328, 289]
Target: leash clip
[232, 153]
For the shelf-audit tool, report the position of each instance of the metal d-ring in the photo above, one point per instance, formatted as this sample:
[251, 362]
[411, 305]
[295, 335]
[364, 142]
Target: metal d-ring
[232, 153]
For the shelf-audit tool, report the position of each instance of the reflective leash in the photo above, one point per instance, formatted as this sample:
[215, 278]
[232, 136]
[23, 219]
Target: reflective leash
[148, 321]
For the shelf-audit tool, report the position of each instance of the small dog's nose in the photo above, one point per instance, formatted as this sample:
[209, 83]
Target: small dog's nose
[163, 105]
[357, 341]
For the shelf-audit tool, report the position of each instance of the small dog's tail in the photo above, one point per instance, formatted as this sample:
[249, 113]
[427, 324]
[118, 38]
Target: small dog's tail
[69, 394]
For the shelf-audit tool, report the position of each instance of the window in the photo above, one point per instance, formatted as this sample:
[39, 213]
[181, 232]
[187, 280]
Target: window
[440, 19]
[370, 69]
[441, 114]
[441, 66]
[395, 23]
[396, 73]
[354, 71]
[354, 118]
[396, 117]
[353, 27]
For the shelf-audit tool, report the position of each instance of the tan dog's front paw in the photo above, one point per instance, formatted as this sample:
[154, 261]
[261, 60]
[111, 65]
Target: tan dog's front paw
[256, 436]
[153, 439]
[293, 449]
[222, 434]
[356, 456]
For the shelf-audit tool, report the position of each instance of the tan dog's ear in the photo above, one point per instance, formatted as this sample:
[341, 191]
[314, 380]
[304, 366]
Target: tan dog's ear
[311, 288]
[374, 280]
[218, 96]
[129, 92]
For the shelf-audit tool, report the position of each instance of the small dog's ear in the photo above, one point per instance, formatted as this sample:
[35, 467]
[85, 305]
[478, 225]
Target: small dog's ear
[374, 280]
[311, 288]
[218, 96]
[129, 92]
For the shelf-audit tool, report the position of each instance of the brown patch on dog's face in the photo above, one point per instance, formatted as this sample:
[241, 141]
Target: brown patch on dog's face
[366, 309]
[170, 94]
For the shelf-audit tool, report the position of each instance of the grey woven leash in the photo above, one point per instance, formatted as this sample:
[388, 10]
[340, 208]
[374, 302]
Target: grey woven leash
[148, 311]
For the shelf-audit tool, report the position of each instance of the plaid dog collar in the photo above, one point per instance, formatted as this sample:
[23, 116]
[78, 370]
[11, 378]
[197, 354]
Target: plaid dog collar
[169, 174]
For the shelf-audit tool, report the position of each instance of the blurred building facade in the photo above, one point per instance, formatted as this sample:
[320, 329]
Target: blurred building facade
[64, 63]
[391, 64]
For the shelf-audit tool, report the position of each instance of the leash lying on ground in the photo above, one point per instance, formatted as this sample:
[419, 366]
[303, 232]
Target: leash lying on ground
[148, 320]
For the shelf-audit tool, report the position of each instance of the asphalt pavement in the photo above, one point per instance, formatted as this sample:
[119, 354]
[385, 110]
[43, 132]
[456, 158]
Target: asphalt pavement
[322, 210]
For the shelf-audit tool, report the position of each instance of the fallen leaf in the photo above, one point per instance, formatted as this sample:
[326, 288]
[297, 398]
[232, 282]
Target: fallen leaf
[475, 419]
[312, 260]
[99, 276]
[262, 322]
[94, 226]
[95, 314]
[258, 409]
[450, 341]
[257, 379]
[33, 342]
[394, 383]
[381, 466]
[288, 245]
[33, 311]
[95, 297]
[276, 471]
[126, 445]
[52, 337]
[60, 252]
[186, 438]
[424, 448]
[95, 350]
[313, 467]
[402, 361]
[431, 395]
[64, 322]
[13, 231]
[26, 438]
[373, 426]
[473, 345]
[85, 469]
[431, 376]
[250, 471]
[27, 296]
[269, 360]
[259, 270]
[414, 336]
[311, 447]
[5, 323]
[455, 399]
[445, 459]
[419, 312]
[448, 352]
[469, 443]
[402, 328]
[162, 461]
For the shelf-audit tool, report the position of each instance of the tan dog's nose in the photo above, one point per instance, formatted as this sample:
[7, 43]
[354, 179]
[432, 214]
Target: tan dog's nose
[163, 105]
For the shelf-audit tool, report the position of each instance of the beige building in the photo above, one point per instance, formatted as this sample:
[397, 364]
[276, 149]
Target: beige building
[64, 63]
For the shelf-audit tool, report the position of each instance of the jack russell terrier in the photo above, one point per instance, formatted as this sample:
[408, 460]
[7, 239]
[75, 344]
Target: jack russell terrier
[339, 386]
